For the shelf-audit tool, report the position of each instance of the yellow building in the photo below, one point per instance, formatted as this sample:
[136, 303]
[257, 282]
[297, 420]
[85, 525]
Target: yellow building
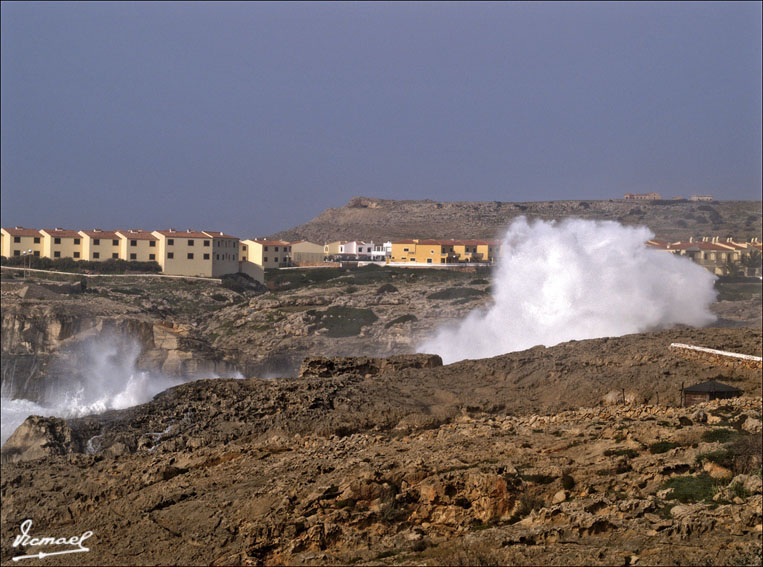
[136, 245]
[332, 248]
[266, 253]
[225, 253]
[423, 251]
[306, 253]
[99, 245]
[17, 240]
[476, 250]
[60, 243]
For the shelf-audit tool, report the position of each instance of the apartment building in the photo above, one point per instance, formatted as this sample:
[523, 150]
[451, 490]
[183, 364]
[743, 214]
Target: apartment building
[642, 196]
[225, 251]
[306, 253]
[18, 240]
[100, 245]
[711, 253]
[476, 250]
[266, 253]
[61, 243]
[356, 250]
[197, 253]
[423, 251]
[137, 245]
[331, 249]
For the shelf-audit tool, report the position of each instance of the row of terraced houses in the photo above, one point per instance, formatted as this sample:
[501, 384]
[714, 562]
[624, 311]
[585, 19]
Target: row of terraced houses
[719, 256]
[213, 254]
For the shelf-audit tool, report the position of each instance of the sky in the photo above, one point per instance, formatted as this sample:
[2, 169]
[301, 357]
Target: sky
[255, 117]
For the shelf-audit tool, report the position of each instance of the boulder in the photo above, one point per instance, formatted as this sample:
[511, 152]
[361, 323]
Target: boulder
[37, 438]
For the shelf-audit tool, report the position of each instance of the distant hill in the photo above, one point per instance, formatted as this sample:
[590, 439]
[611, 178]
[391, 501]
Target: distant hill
[384, 219]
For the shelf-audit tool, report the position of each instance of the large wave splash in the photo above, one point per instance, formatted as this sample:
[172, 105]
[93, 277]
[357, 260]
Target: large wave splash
[107, 378]
[577, 279]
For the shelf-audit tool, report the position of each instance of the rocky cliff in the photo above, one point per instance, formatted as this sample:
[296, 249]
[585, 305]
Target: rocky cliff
[471, 463]
[383, 219]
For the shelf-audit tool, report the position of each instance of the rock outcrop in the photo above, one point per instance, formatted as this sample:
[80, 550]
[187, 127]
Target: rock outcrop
[323, 367]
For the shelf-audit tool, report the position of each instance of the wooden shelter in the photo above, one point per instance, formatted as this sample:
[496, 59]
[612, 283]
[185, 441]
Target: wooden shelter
[706, 391]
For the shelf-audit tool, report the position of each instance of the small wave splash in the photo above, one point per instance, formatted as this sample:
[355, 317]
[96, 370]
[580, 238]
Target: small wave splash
[577, 279]
[108, 380]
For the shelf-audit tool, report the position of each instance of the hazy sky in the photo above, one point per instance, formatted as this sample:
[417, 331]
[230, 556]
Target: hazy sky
[254, 117]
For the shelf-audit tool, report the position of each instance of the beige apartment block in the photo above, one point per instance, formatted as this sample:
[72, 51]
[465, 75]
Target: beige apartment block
[60, 243]
[225, 253]
[192, 253]
[184, 252]
[306, 253]
[333, 248]
[266, 253]
[17, 240]
[136, 245]
[99, 245]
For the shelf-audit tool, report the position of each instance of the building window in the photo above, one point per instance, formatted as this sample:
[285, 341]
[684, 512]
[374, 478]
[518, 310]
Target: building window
[405, 250]
[152, 243]
[206, 243]
[243, 247]
[96, 241]
[17, 252]
[133, 243]
[133, 256]
[115, 256]
[115, 242]
[206, 256]
[429, 260]
[243, 258]
[265, 259]
[16, 239]
[265, 248]
[152, 256]
[190, 255]
[217, 256]
[56, 241]
[170, 241]
[276, 249]
[170, 255]
[36, 239]
[36, 253]
[76, 241]
[96, 255]
[76, 254]
[190, 242]
[56, 254]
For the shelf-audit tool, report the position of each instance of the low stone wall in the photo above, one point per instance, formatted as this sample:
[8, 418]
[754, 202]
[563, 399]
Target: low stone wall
[717, 357]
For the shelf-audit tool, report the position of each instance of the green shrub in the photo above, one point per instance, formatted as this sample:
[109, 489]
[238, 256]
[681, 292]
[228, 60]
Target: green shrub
[456, 293]
[342, 321]
[479, 281]
[662, 447]
[218, 297]
[719, 435]
[689, 488]
[386, 288]
[401, 319]
[537, 478]
[568, 483]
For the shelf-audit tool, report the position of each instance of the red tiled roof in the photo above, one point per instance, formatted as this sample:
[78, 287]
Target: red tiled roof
[218, 234]
[136, 235]
[404, 242]
[182, 233]
[273, 242]
[58, 233]
[658, 244]
[21, 231]
[99, 233]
